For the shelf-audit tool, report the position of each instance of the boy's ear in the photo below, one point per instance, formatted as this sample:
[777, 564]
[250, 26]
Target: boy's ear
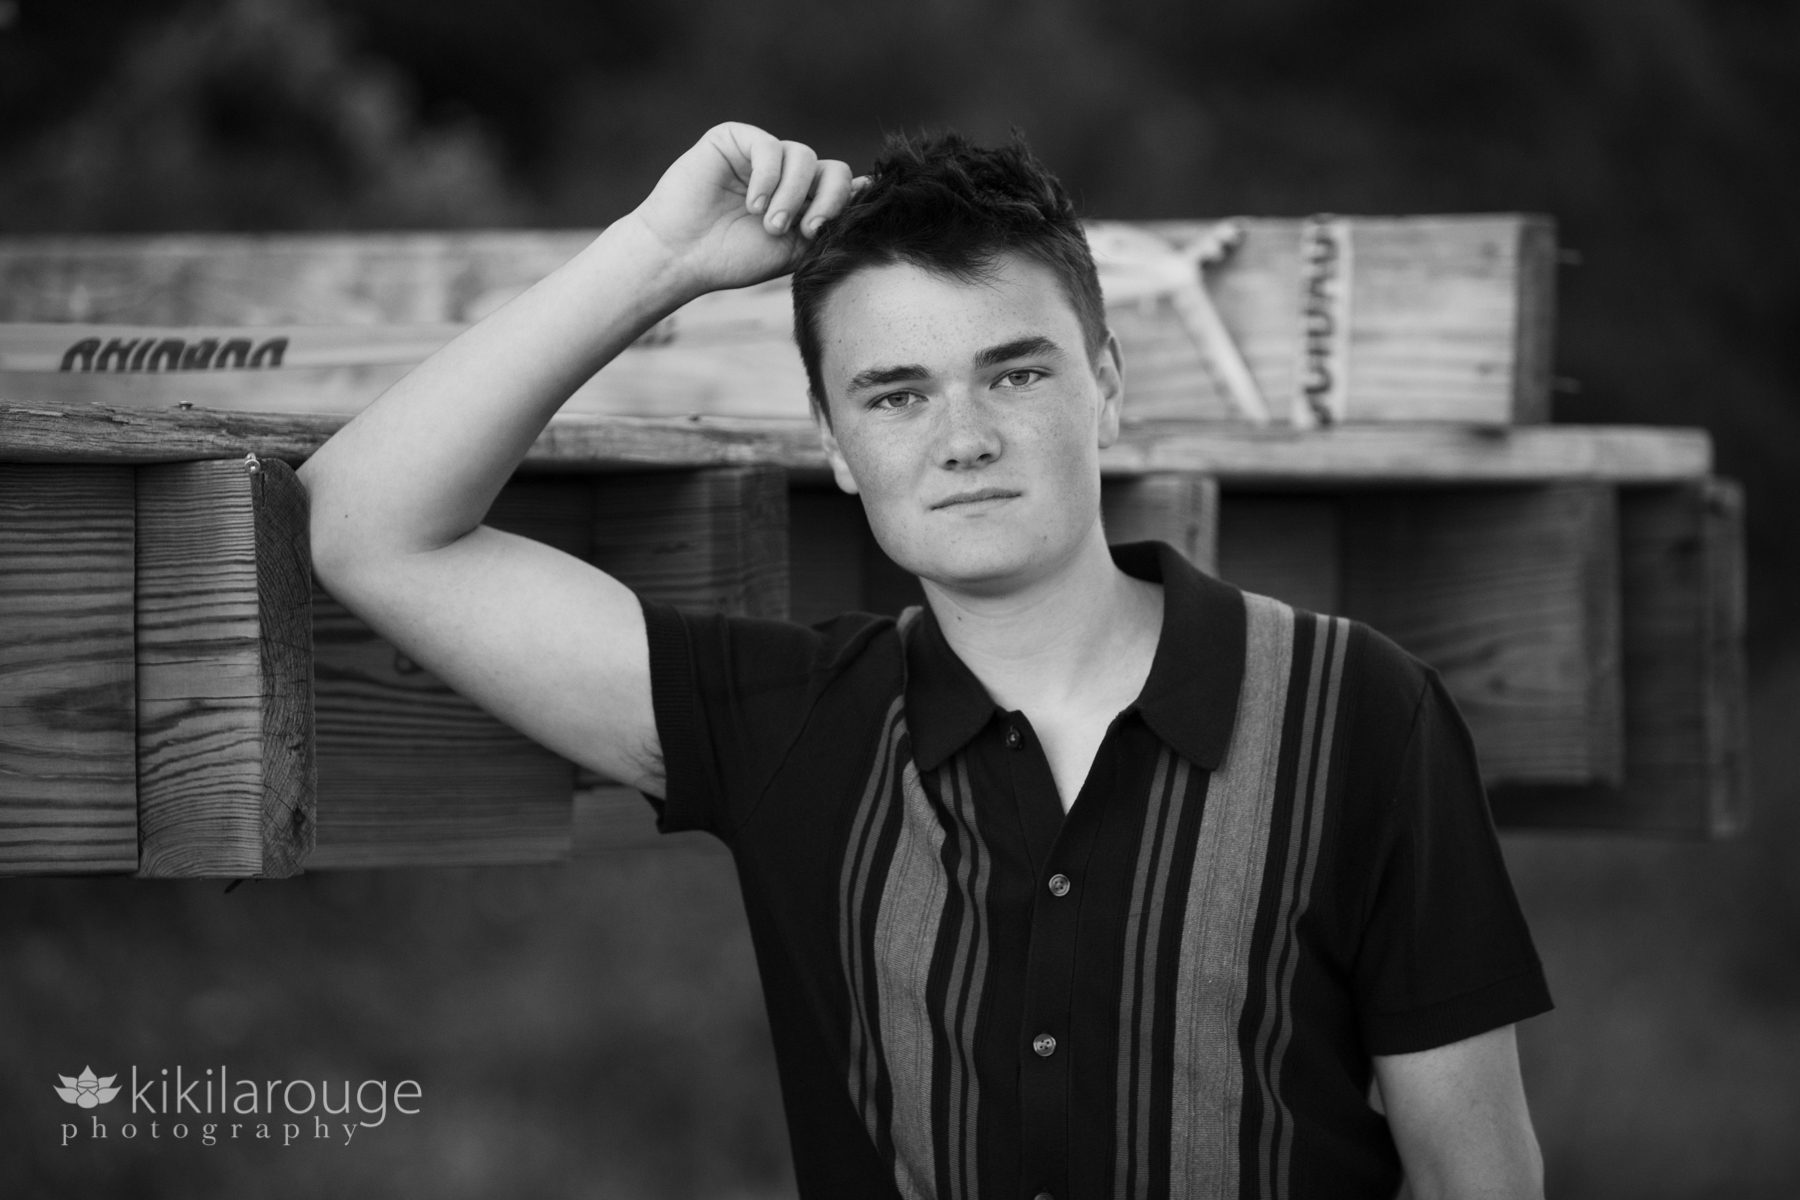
[840, 470]
[1109, 373]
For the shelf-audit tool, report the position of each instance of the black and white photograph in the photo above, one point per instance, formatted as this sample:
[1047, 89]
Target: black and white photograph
[951, 600]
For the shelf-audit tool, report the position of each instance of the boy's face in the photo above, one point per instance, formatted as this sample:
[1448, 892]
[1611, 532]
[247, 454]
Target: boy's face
[969, 418]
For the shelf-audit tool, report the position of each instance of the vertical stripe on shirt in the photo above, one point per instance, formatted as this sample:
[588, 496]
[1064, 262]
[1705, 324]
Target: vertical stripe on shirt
[1143, 935]
[865, 1048]
[913, 936]
[968, 862]
[1220, 917]
[1307, 806]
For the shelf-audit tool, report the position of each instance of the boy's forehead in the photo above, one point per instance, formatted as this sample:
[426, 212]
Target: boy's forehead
[879, 311]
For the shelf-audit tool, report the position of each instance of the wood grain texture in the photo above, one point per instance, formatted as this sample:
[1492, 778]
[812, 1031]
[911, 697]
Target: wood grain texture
[68, 742]
[1513, 595]
[75, 431]
[289, 733]
[225, 777]
[1438, 306]
[1686, 751]
[411, 772]
[712, 541]
[1179, 508]
[1288, 547]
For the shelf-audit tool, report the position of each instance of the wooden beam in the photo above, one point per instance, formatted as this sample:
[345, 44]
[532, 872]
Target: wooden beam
[1288, 547]
[1429, 313]
[1438, 317]
[72, 431]
[714, 541]
[411, 772]
[1513, 595]
[68, 670]
[226, 769]
[708, 541]
[1180, 508]
[1686, 753]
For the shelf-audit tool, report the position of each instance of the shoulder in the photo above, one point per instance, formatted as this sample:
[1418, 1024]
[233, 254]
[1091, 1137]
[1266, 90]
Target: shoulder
[1375, 693]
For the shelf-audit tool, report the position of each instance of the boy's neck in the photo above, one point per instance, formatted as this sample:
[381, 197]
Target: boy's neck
[1085, 633]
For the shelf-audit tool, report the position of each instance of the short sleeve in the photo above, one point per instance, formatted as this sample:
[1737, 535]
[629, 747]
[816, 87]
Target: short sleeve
[1445, 952]
[730, 695]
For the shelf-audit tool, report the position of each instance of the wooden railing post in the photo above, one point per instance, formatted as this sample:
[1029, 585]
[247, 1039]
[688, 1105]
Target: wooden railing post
[226, 769]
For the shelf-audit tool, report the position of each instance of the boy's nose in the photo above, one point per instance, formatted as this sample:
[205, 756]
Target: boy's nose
[970, 437]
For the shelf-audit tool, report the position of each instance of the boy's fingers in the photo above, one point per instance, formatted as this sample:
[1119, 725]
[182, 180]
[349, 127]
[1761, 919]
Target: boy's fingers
[798, 167]
[765, 166]
[832, 189]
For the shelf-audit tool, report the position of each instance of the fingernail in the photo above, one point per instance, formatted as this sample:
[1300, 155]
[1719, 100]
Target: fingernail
[778, 222]
[758, 204]
[812, 226]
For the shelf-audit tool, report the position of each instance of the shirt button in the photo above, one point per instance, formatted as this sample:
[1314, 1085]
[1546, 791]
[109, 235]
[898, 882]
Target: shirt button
[1044, 1044]
[1059, 885]
[1014, 739]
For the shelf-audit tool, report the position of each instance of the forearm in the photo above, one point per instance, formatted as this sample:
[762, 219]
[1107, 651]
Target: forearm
[420, 466]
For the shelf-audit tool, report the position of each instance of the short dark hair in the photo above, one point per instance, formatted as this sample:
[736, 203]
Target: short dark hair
[939, 203]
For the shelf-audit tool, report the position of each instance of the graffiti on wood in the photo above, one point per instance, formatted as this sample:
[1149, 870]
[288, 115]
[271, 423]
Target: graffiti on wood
[174, 354]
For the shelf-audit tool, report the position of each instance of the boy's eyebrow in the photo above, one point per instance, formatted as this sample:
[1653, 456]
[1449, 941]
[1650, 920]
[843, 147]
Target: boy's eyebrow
[1025, 347]
[992, 356]
[882, 376]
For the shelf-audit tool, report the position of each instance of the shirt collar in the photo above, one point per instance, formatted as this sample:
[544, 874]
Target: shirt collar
[1189, 699]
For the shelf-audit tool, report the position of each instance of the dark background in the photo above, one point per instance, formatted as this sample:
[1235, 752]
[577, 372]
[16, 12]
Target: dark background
[595, 1029]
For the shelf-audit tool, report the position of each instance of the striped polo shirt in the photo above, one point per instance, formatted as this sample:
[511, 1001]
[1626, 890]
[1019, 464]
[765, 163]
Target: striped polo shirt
[1281, 863]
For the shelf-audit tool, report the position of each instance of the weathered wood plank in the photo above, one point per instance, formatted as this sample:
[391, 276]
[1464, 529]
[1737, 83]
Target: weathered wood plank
[1431, 320]
[411, 772]
[1179, 508]
[1346, 455]
[68, 669]
[226, 768]
[1432, 315]
[414, 774]
[714, 540]
[1686, 757]
[1288, 547]
[1513, 595]
[709, 541]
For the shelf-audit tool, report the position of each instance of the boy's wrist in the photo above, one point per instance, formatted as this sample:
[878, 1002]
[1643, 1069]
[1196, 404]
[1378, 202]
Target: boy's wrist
[666, 278]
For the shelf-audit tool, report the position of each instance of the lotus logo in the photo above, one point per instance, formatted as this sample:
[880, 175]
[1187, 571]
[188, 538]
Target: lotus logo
[86, 1090]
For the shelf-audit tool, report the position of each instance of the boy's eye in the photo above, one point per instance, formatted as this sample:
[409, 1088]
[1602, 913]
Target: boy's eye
[1022, 377]
[894, 400]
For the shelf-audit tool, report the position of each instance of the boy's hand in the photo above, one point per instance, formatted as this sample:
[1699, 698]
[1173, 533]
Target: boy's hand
[733, 209]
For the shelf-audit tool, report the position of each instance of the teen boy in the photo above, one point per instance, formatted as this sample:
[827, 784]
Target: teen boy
[1095, 877]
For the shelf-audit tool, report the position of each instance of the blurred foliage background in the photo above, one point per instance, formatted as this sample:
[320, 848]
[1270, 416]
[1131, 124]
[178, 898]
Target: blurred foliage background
[595, 1030]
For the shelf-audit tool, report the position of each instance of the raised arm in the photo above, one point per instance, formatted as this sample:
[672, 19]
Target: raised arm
[1460, 1120]
[546, 642]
